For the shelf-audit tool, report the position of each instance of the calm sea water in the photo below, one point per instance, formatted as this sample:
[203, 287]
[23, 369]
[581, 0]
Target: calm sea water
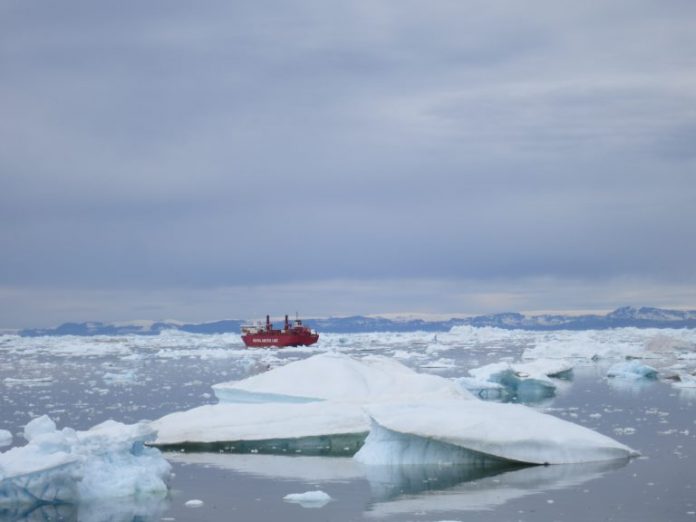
[80, 383]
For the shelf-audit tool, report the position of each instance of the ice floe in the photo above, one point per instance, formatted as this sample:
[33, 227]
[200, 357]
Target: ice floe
[309, 499]
[632, 370]
[480, 433]
[528, 382]
[5, 438]
[684, 380]
[107, 461]
[430, 416]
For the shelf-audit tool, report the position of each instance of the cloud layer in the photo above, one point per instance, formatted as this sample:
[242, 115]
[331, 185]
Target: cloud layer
[168, 148]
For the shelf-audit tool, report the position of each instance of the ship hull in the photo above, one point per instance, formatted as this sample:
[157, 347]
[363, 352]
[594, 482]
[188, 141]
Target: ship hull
[279, 340]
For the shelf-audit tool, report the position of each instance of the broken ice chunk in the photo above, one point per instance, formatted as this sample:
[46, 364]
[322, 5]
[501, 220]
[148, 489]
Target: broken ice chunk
[632, 370]
[5, 438]
[65, 465]
[528, 382]
[309, 499]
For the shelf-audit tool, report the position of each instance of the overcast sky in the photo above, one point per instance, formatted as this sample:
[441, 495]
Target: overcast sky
[200, 161]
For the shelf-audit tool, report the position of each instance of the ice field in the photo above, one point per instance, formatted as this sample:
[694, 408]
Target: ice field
[427, 401]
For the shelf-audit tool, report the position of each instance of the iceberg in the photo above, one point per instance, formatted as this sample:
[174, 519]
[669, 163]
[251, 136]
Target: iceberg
[312, 406]
[632, 370]
[68, 466]
[481, 434]
[327, 404]
[5, 438]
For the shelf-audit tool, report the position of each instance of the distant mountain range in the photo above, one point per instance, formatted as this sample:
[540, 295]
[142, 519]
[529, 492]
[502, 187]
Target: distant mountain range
[644, 317]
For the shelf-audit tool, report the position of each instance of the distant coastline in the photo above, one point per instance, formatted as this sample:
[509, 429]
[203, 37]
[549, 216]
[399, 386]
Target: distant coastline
[643, 317]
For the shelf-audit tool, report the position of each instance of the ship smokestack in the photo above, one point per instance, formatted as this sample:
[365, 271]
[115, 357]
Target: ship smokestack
[268, 322]
[287, 323]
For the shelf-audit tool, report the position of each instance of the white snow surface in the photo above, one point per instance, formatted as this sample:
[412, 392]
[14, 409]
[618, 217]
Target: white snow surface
[106, 461]
[510, 432]
[254, 422]
[339, 377]
[321, 395]
[316, 498]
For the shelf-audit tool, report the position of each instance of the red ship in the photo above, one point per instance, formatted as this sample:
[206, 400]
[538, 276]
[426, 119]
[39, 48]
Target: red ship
[265, 336]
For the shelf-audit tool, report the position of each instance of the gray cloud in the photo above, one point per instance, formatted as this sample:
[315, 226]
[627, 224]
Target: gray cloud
[160, 147]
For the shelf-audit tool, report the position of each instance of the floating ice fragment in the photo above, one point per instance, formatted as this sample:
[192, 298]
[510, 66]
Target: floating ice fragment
[632, 370]
[193, 503]
[39, 426]
[5, 438]
[686, 380]
[309, 499]
[528, 382]
[486, 390]
[65, 465]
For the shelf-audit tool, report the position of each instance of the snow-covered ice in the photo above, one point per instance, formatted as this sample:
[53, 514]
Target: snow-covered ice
[338, 377]
[107, 461]
[276, 422]
[481, 433]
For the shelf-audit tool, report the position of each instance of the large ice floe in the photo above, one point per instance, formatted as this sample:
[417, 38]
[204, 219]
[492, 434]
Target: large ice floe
[66, 466]
[327, 404]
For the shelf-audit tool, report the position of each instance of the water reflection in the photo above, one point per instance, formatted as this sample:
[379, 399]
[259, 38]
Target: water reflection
[478, 491]
[112, 510]
[403, 490]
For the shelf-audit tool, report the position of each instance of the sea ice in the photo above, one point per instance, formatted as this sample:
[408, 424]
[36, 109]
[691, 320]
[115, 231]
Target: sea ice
[632, 370]
[107, 461]
[5, 438]
[486, 390]
[685, 380]
[526, 381]
[481, 433]
[309, 499]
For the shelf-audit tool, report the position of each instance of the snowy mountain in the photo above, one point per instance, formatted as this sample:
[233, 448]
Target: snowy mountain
[644, 317]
